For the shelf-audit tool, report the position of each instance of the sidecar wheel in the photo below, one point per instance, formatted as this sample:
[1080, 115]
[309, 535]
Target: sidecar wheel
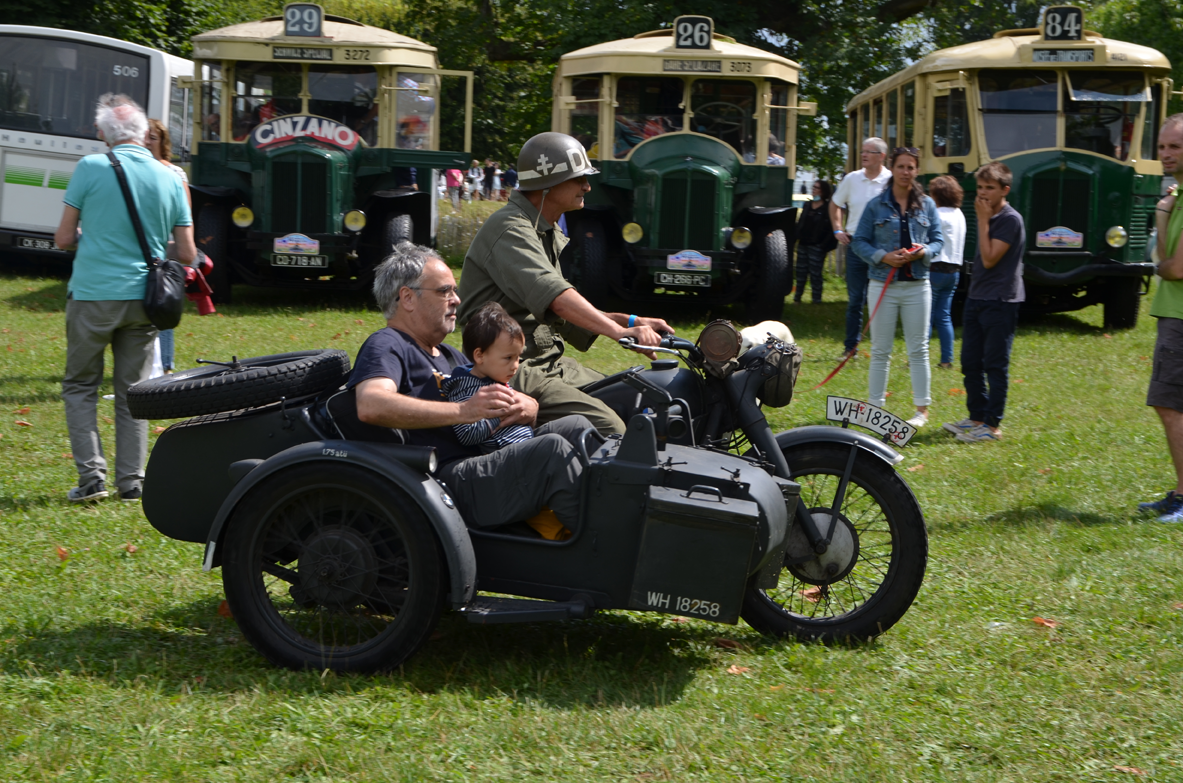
[330, 567]
[261, 380]
[886, 545]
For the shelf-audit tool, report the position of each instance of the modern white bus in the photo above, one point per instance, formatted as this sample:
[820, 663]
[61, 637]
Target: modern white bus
[50, 81]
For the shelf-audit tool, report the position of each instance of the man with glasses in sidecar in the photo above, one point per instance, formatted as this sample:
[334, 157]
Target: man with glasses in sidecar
[514, 261]
[397, 382]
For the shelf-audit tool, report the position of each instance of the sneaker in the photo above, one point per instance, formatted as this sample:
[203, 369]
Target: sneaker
[132, 495]
[853, 354]
[95, 490]
[979, 434]
[919, 420]
[958, 427]
[945, 366]
[1174, 511]
[1157, 506]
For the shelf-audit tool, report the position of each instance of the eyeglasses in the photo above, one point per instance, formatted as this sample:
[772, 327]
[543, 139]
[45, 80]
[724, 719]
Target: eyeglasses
[446, 291]
[906, 151]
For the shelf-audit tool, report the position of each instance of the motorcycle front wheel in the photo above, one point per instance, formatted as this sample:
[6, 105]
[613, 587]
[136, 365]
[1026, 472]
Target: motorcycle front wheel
[876, 562]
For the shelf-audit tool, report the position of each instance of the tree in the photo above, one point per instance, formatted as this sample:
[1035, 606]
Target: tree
[1154, 23]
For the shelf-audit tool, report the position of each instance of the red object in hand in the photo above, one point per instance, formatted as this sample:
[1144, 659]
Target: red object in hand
[916, 248]
[196, 287]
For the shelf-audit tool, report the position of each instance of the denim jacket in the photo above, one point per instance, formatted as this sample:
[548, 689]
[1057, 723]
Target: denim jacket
[879, 233]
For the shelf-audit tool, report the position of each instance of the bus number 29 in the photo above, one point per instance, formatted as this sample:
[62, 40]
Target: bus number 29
[127, 70]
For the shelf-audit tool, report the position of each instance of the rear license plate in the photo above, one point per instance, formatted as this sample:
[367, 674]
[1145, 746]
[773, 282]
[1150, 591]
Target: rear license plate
[682, 279]
[285, 259]
[867, 415]
[35, 243]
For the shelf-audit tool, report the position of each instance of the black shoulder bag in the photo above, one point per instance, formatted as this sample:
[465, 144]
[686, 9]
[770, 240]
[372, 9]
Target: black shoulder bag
[164, 296]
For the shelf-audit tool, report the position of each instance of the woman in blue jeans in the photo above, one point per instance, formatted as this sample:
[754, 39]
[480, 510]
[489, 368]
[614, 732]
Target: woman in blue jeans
[945, 271]
[893, 222]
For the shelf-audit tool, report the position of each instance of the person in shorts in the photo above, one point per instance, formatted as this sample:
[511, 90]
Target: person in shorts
[992, 307]
[1165, 394]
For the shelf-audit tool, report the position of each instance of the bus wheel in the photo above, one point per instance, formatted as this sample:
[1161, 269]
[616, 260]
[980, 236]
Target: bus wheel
[767, 301]
[213, 226]
[593, 264]
[1122, 299]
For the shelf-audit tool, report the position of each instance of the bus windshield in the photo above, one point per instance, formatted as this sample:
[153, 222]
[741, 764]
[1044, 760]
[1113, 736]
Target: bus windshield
[52, 85]
[1102, 110]
[264, 91]
[1018, 109]
[647, 106]
[725, 109]
[346, 94]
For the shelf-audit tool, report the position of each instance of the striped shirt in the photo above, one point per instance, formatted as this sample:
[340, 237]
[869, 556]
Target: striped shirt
[484, 433]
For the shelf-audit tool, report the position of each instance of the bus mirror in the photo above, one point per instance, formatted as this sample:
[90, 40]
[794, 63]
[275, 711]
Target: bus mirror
[186, 82]
[957, 169]
[806, 109]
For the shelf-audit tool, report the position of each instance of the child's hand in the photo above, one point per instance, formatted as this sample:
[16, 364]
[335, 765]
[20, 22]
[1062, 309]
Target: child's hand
[490, 402]
[523, 411]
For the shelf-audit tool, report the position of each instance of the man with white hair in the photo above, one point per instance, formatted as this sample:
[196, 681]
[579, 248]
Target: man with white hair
[397, 381]
[104, 303]
[852, 195]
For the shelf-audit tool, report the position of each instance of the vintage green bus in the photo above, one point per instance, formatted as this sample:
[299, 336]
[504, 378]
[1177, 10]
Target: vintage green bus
[694, 136]
[318, 147]
[1075, 116]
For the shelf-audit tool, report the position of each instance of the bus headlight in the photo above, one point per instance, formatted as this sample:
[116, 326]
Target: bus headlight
[632, 233]
[355, 220]
[1116, 236]
[740, 238]
[242, 217]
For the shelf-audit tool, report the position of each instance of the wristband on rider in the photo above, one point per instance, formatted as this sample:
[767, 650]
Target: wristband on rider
[632, 321]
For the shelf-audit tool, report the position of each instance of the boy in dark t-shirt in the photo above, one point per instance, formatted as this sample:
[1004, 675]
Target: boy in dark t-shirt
[992, 307]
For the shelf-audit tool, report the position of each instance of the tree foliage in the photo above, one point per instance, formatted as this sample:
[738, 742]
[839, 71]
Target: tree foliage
[1154, 23]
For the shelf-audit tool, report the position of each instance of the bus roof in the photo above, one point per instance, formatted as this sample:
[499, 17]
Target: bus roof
[177, 65]
[338, 31]
[1011, 49]
[644, 53]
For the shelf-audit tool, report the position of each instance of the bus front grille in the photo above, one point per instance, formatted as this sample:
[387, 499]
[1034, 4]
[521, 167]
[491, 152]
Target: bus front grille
[688, 229]
[1141, 223]
[299, 191]
[1060, 198]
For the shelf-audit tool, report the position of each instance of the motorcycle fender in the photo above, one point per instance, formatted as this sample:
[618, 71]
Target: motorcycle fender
[820, 433]
[432, 497]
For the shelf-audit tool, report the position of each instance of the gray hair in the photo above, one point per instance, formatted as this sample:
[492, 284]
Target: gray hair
[879, 144]
[403, 267]
[121, 120]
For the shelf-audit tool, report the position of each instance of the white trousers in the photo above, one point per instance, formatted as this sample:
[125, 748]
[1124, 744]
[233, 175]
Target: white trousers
[908, 302]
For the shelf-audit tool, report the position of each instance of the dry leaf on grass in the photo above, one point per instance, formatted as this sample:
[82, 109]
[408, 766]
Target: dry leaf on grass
[1129, 770]
[1046, 622]
[1044, 471]
[131, 548]
[726, 644]
[67, 455]
[915, 468]
[1177, 606]
[25, 409]
[224, 610]
[107, 419]
[22, 423]
[955, 392]
[775, 688]
[812, 594]
[158, 430]
[62, 553]
[1107, 336]
[359, 322]
[679, 620]
[736, 669]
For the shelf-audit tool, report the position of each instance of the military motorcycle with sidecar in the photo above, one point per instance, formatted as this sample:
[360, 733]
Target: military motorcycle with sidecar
[340, 549]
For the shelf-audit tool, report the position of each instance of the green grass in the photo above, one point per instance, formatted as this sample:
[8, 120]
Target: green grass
[116, 666]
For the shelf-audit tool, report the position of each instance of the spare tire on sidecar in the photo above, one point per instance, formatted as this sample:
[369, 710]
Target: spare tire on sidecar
[339, 548]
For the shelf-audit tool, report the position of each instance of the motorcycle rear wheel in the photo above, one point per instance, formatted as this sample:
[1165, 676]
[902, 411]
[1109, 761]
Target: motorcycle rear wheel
[874, 591]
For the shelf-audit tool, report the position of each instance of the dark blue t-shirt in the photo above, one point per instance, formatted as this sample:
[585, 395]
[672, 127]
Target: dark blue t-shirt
[389, 353]
[1004, 281]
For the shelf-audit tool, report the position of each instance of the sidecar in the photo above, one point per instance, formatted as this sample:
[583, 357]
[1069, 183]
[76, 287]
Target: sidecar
[340, 548]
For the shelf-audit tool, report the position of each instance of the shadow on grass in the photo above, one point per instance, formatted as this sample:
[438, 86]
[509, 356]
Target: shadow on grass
[1040, 513]
[11, 382]
[46, 296]
[612, 660]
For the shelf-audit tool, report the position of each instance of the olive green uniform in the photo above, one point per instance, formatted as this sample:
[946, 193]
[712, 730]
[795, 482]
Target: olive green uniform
[514, 260]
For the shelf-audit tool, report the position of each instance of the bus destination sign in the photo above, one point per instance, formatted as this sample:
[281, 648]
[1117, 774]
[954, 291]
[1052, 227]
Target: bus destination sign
[1062, 55]
[301, 53]
[693, 66]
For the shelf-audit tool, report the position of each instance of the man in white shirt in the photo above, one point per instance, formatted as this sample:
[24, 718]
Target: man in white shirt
[854, 191]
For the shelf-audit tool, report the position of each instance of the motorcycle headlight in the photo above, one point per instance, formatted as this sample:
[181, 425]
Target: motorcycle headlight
[355, 220]
[1116, 237]
[741, 238]
[243, 217]
[632, 233]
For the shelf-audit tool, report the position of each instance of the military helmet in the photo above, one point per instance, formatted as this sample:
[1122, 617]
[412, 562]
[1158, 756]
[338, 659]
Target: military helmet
[550, 158]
